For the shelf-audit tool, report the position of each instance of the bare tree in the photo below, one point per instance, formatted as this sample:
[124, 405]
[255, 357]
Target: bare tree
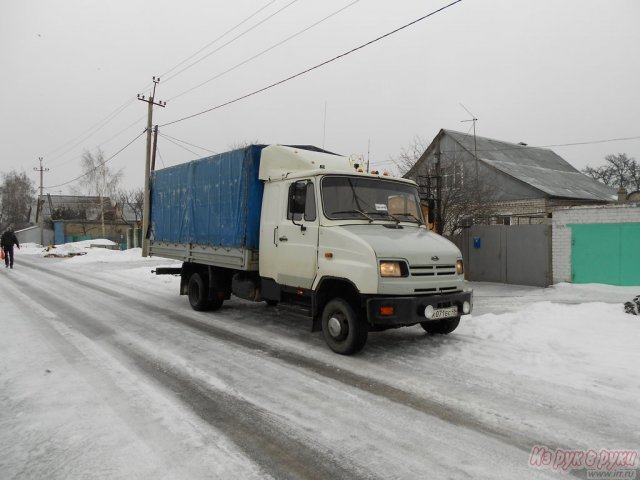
[459, 196]
[618, 171]
[462, 199]
[99, 179]
[132, 200]
[17, 194]
[633, 174]
[407, 157]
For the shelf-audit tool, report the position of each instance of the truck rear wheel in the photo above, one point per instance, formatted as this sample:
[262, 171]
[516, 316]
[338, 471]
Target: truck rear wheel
[441, 327]
[343, 328]
[198, 293]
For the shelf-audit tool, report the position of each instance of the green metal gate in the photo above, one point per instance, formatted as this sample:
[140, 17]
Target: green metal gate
[606, 253]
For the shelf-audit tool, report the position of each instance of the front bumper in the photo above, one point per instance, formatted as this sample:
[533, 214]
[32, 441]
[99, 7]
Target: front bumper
[410, 310]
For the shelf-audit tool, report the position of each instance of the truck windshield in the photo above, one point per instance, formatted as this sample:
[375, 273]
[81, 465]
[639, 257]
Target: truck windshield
[371, 199]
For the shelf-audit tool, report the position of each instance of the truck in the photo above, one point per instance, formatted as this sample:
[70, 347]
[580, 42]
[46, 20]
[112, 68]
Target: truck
[310, 229]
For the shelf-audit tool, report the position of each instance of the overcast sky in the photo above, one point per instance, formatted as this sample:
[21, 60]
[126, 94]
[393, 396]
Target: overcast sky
[544, 72]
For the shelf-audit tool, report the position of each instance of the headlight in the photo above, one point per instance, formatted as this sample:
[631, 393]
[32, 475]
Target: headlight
[390, 269]
[459, 267]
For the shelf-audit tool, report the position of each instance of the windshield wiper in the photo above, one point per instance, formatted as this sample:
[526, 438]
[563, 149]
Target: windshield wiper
[386, 214]
[412, 216]
[355, 211]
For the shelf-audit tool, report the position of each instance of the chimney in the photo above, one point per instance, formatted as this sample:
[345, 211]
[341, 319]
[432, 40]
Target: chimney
[622, 196]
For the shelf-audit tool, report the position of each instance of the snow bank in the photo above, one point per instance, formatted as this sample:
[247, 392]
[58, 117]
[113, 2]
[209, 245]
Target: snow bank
[589, 345]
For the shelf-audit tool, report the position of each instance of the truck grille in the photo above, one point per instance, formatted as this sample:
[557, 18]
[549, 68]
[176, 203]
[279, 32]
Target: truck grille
[436, 290]
[432, 270]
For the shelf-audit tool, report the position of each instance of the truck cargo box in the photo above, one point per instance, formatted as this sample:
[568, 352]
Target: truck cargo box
[209, 203]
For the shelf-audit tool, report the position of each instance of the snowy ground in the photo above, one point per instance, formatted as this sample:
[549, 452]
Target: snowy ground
[106, 372]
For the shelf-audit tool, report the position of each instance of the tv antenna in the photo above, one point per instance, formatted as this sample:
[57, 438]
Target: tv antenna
[473, 119]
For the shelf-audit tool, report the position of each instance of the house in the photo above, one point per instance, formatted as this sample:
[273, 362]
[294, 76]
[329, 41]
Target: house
[519, 184]
[69, 218]
[67, 207]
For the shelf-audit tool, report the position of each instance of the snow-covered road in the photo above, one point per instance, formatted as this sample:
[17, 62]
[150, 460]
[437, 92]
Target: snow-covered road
[106, 372]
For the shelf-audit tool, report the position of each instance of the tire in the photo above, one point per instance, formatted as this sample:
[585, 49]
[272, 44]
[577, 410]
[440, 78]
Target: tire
[272, 303]
[343, 328]
[441, 327]
[198, 293]
[215, 304]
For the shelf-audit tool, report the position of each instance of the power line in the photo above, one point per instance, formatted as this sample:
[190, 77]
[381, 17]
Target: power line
[255, 92]
[282, 42]
[90, 131]
[213, 42]
[520, 147]
[591, 142]
[160, 156]
[169, 137]
[111, 116]
[179, 145]
[106, 141]
[230, 41]
[100, 164]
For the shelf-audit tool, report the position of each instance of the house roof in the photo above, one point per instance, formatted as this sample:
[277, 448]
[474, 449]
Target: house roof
[74, 201]
[541, 168]
[90, 204]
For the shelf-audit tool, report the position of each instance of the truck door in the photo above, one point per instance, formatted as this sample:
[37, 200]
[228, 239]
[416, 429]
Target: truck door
[296, 238]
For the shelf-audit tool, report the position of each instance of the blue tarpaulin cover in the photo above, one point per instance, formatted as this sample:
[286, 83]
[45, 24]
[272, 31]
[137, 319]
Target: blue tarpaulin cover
[212, 201]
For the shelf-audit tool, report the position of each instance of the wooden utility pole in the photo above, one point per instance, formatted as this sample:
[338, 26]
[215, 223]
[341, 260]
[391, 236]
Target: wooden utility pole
[147, 167]
[40, 208]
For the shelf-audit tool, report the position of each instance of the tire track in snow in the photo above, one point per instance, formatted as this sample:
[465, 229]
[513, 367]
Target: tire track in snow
[256, 431]
[349, 378]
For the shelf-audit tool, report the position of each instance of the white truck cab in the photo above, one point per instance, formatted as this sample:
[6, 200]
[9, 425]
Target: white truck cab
[355, 247]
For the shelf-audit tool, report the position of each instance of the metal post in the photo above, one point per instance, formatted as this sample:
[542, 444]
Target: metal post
[147, 167]
[438, 191]
[41, 200]
[155, 148]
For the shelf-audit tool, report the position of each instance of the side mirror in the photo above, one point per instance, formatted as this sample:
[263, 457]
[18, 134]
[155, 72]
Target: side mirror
[432, 211]
[429, 210]
[297, 198]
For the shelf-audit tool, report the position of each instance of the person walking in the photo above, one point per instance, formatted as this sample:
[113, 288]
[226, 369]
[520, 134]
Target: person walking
[7, 241]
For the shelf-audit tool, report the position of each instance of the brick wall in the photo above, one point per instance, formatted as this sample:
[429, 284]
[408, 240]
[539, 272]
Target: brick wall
[532, 206]
[561, 232]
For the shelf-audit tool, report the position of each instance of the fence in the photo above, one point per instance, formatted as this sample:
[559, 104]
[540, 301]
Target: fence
[515, 254]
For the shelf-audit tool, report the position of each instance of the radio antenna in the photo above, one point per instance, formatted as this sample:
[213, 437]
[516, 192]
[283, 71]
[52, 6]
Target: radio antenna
[473, 119]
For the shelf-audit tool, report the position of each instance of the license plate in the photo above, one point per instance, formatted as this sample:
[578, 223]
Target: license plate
[445, 313]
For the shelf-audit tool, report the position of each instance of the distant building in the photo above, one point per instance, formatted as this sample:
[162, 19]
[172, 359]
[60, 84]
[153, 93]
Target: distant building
[525, 184]
[69, 218]
[70, 207]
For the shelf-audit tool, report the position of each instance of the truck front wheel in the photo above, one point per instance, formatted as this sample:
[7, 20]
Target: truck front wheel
[441, 327]
[198, 294]
[343, 328]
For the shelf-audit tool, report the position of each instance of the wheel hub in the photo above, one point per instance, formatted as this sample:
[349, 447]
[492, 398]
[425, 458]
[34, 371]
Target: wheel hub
[335, 326]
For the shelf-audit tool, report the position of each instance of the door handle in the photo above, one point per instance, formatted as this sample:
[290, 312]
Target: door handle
[283, 238]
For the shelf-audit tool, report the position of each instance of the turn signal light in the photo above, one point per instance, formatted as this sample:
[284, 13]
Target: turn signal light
[387, 311]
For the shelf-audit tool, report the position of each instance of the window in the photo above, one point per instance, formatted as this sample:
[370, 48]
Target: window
[362, 198]
[305, 188]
